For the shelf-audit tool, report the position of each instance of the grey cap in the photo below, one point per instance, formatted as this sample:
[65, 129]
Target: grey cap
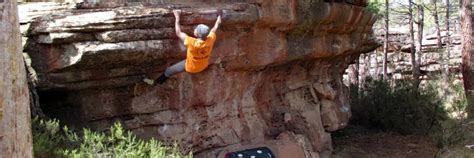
[202, 31]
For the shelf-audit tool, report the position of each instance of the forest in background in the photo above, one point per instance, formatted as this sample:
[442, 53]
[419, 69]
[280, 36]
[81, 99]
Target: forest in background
[419, 80]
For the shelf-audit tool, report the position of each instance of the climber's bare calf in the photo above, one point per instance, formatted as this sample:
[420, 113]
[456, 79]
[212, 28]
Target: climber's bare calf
[198, 49]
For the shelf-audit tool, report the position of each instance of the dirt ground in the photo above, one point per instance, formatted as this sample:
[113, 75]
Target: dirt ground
[372, 144]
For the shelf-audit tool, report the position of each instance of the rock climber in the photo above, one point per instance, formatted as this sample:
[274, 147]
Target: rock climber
[198, 49]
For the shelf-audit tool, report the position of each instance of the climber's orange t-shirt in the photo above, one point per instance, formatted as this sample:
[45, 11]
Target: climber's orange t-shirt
[197, 56]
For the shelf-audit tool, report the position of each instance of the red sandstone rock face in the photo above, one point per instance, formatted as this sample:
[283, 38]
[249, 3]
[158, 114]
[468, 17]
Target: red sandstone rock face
[276, 68]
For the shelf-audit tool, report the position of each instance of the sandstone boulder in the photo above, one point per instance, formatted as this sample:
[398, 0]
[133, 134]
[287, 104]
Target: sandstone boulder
[276, 68]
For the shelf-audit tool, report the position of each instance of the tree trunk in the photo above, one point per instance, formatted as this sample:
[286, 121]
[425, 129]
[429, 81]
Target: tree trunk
[357, 75]
[434, 12]
[415, 65]
[35, 108]
[467, 65]
[419, 50]
[385, 41]
[354, 78]
[15, 130]
[448, 40]
[368, 66]
[376, 66]
[365, 70]
[439, 44]
[352, 75]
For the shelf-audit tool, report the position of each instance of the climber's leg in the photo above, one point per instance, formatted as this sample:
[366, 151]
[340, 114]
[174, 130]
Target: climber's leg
[176, 68]
[173, 69]
[170, 71]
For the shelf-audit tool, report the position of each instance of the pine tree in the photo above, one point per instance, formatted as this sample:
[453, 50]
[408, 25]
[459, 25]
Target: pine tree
[385, 43]
[15, 130]
[467, 66]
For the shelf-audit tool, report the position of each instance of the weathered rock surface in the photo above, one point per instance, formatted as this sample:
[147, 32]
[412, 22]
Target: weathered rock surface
[276, 70]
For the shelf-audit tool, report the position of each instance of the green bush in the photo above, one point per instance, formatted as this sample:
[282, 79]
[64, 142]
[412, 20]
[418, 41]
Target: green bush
[456, 137]
[49, 140]
[403, 107]
[456, 103]
[435, 108]
[457, 131]
[374, 6]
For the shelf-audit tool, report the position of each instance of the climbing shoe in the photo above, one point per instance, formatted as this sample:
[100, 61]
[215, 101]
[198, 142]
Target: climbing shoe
[148, 81]
[161, 79]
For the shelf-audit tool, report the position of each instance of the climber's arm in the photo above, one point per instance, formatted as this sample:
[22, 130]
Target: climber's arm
[180, 34]
[218, 22]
